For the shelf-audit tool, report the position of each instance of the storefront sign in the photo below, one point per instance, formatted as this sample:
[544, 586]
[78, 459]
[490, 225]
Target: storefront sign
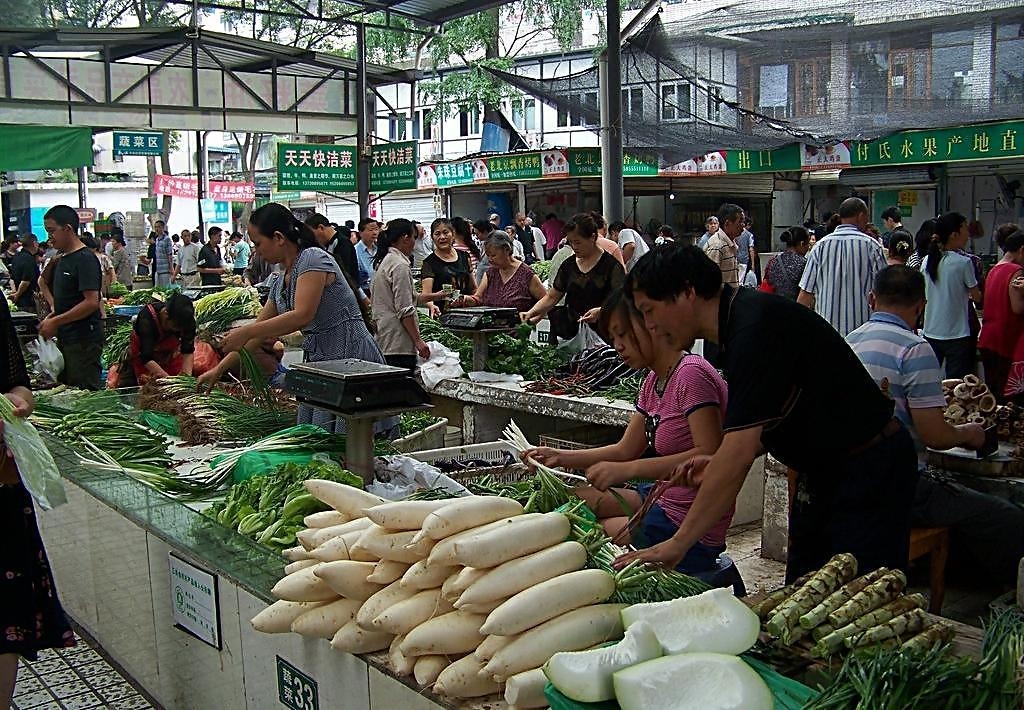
[763, 161]
[585, 162]
[148, 205]
[85, 214]
[215, 210]
[315, 166]
[713, 163]
[829, 157]
[189, 187]
[942, 145]
[194, 601]
[393, 166]
[637, 164]
[465, 172]
[295, 689]
[515, 167]
[138, 143]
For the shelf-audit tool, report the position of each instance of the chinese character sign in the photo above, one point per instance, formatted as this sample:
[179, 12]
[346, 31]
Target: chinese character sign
[138, 143]
[525, 166]
[635, 164]
[189, 187]
[941, 145]
[315, 166]
[393, 166]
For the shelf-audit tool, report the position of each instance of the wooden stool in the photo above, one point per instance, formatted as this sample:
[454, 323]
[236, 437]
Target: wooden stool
[934, 541]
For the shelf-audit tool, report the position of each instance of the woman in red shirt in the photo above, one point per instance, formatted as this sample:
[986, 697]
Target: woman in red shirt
[679, 416]
[1002, 333]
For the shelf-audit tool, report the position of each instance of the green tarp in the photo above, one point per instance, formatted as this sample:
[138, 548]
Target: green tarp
[44, 147]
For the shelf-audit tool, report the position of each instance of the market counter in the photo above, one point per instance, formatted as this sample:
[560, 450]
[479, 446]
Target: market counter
[125, 556]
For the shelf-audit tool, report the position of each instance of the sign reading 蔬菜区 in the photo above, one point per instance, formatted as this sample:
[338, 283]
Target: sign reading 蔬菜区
[942, 145]
[138, 143]
[295, 689]
[194, 605]
[316, 166]
[393, 166]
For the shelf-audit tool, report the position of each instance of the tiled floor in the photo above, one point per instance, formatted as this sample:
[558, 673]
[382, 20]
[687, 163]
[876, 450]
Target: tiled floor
[75, 679]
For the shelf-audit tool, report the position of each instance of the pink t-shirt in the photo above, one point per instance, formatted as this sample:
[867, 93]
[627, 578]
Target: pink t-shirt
[692, 385]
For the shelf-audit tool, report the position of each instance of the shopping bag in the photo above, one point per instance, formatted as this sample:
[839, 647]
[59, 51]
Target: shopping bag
[584, 339]
[50, 360]
[38, 470]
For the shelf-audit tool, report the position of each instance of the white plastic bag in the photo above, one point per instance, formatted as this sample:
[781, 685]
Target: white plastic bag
[443, 364]
[38, 470]
[396, 477]
[50, 360]
[585, 339]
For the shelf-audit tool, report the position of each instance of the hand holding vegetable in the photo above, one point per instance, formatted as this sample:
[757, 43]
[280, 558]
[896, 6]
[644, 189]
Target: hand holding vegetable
[551, 458]
[606, 474]
[666, 554]
[206, 381]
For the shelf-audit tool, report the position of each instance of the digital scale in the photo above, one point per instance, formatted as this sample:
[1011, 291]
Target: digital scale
[361, 392]
[196, 292]
[26, 325]
[478, 322]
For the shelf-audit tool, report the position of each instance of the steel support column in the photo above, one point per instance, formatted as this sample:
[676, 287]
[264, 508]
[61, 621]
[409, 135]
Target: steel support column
[610, 78]
[364, 116]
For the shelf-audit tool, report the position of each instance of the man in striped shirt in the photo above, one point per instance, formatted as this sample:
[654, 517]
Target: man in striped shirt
[721, 248]
[989, 529]
[841, 269]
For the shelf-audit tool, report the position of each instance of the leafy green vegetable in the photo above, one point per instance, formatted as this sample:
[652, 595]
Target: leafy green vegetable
[217, 311]
[414, 422]
[143, 296]
[115, 350]
[118, 290]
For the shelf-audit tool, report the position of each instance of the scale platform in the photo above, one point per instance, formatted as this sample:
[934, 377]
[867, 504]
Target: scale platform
[480, 318]
[354, 387]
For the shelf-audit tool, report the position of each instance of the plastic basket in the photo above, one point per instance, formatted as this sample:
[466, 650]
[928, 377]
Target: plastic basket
[431, 437]
[580, 437]
[496, 453]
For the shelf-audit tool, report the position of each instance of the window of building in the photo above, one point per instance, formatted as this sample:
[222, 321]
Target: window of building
[397, 127]
[909, 77]
[633, 103]
[676, 102]
[869, 76]
[469, 122]
[573, 114]
[952, 63]
[714, 105]
[524, 114]
[1008, 64]
[810, 81]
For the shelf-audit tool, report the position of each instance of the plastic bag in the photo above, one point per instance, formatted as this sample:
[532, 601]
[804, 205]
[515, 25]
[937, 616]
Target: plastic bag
[443, 364]
[396, 477]
[204, 358]
[38, 470]
[50, 360]
[584, 339]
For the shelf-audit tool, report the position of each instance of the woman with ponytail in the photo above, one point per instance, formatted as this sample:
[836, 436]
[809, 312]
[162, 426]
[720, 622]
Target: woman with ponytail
[310, 294]
[394, 300]
[950, 284]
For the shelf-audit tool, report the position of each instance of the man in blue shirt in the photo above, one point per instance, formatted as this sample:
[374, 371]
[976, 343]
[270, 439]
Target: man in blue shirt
[163, 260]
[903, 363]
[366, 249]
[240, 251]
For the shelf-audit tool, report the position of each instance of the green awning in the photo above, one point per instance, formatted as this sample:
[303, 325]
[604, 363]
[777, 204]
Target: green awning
[44, 147]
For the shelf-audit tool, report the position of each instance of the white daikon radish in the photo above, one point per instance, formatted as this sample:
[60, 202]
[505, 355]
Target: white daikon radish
[322, 535]
[325, 519]
[344, 499]
[586, 676]
[406, 615]
[348, 578]
[324, 621]
[692, 681]
[454, 632]
[294, 554]
[442, 552]
[299, 564]
[392, 546]
[467, 578]
[465, 513]
[304, 586]
[375, 605]
[340, 548]
[387, 571]
[549, 599]
[404, 515]
[522, 573]
[714, 621]
[423, 575]
[462, 679]
[526, 689]
[401, 665]
[490, 645]
[574, 631]
[278, 617]
[520, 537]
[482, 607]
[353, 639]
[428, 668]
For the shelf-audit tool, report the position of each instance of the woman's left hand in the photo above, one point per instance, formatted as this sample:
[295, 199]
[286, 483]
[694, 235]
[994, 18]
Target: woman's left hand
[21, 409]
[233, 340]
[666, 554]
[607, 474]
[592, 315]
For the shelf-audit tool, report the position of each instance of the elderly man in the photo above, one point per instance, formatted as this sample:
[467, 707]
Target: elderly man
[722, 248]
[841, 269]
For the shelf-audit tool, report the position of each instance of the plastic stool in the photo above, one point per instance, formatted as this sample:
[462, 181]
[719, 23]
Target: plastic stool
[725, 574]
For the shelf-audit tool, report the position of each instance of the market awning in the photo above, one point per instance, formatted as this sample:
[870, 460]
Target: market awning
[44, 147]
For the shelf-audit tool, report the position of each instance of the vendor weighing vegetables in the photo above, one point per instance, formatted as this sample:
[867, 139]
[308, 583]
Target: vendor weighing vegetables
[787, 369]
[162, 342]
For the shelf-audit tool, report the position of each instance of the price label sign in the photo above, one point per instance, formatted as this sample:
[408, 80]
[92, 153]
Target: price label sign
[295, 689]
[194, 603]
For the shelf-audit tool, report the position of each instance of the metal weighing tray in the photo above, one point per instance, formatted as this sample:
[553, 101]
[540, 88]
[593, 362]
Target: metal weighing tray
[352, 386]
[480, 318]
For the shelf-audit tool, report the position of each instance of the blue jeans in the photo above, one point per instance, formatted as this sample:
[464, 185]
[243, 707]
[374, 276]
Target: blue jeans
[656, 527]
[162, 279]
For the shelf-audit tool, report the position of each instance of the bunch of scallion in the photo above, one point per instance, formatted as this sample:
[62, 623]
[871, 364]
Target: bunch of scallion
[121, 438]
[216, 312]
[115, 349]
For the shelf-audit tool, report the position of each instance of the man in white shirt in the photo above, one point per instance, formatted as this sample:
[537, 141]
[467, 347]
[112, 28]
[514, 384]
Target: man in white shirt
[538, 240]
[423, 248]
[841, 270]
[187, 264]
[630, 242]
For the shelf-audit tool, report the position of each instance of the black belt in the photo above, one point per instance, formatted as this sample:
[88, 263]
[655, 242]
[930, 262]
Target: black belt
[189, 273]
[891, 427]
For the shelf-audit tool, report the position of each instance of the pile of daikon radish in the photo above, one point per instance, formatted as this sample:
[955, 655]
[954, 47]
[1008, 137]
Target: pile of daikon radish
[470, 595]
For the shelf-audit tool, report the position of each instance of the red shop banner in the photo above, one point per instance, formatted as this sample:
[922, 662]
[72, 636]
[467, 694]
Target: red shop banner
[189, 187]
